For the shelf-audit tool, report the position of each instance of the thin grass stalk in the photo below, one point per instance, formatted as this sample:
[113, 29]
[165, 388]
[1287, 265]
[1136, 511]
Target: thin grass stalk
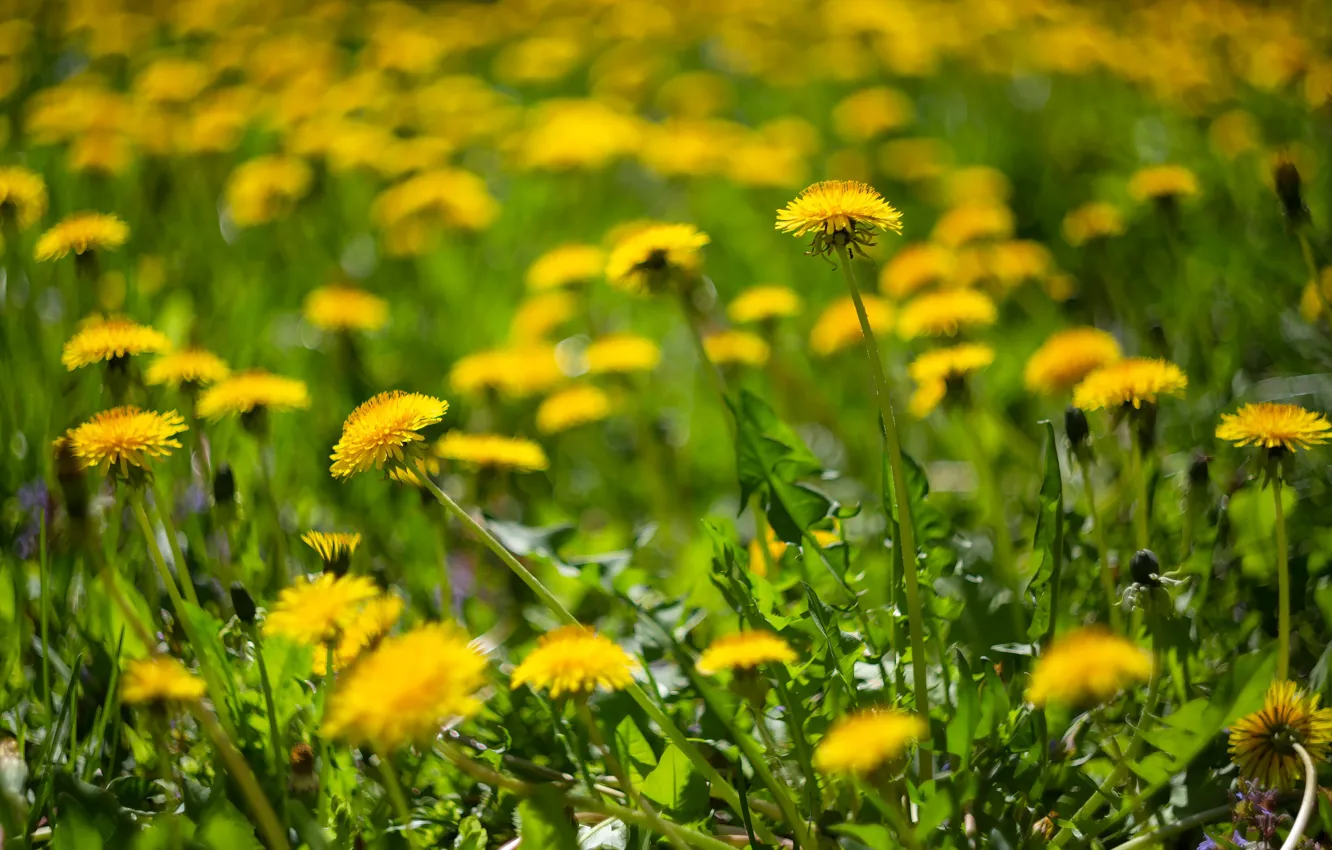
[1103, 553]
[162, 516]
[1138, 461]
[388, 772]
[269, 825]
[1283, 581]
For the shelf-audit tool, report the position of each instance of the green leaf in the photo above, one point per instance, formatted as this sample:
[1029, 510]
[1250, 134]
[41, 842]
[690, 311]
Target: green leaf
[962, 728]
[634, 750]
[208, 630]
[1047, 548]
[471, 834]
[223, 827]
[546, 825]
[875, 836]
[769, 458]
[74, 829]
[288, 664]
[673, 783]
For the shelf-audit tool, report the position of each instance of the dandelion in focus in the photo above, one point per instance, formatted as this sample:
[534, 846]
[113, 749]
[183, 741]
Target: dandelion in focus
[1067, 357]
[345, 308]
[159, 680]
[1087, 667]
[385, 428]
[860, 744]
[334, 548]
[1274, 427]
[574, 660]
[1262, 744]
[125, 437]
[840, 214]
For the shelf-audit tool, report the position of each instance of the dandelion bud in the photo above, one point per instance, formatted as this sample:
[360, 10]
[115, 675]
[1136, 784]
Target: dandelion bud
[1287, 180]
[1199, 472]
[242, 603]
[1045, 827]
[1145, 568]
[302, 764]
[73, 480]
[1075, 427]
[224, 485]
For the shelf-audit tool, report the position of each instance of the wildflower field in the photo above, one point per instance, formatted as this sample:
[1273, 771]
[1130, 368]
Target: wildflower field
[619, 424]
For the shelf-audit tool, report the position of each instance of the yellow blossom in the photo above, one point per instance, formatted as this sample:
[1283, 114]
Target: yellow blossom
[158, 680]
[245, 392]
[574, 660]
[764, 302]
[839, 327]
[861, 743]
[345, 308]
[1087, 667]
[384, 428]
[99, 339]
[82, 233]
[576, 405]
[1067, 357]
[1274, 426]
[745, 650]
[492, 450]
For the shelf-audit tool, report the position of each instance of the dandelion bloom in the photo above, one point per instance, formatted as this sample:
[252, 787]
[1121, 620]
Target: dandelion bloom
[411, 212]
[776, 549]
[1087, 666]
[99, 339]
[1067, 357]
[574, 660]
[649, 258]
[266, 188]
[945, 313]
[869, 112]
[22, 196]
[187, 366]
[565, 133]
[332, 546]
[540, 314]
[81, 233]
[158, 680]
[734, 346]
[404, 689]
[1133, 380]
[253, 390]
[838, 327]
[1274, 426]
[573, 406]
[916, 267]
[126, 436]
[517, 371]
[764, 302]
[933, 370]
[845, 212]
[1262, 743]
[492, 450]
[345, 308]
[565, 266]
[1094, 220]
[1015, 261]
[381, 428]
[375, 619]
[1161, 182]
[623, 352]
[865, 741]
[972, 222]
[745, 650]
[314, 611]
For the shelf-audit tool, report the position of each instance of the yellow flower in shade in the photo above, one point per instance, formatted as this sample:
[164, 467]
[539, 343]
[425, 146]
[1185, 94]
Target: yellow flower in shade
[744, 651]
[266, 188]
[540, 314]
[126, 436]
[99, 339]
[1133, 380]
[1095, 220]
[406, 688]
[573, 406]
[648, 259]
[861, 743]
[253, 390]
[492, 450]
[776, 549]
[736, 347]
[1311, 306]
[314, 611]
[1160, 182]
[345, 308]
[972, 222]
[191, 366]
[157, 680]
[1274, 426]
[1087, 667]
[574, 660]
[869, 112]
[382, 429]
[1067, 357]
[375, 619]
[82, 233]
[914, 268]
[764, 302]
[839, 327]
[838, 212]
[933, 370]
[615, 353]
[332, 546]
[1262, 744]
[22, 196]
[946, 312]
[565, 266]
[517, 371]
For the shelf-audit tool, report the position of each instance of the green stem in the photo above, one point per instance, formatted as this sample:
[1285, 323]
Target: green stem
[269, 825]
[780, 792]
[1157, 837]
[891, 813]
[388, 772]
[177, 603]
[991, 502]
[326, 748]
[906, 529]
[1141, 508]
[274, 732]
[45, 590]
[761, 535]
[1107, 578]
[162, 516]
[1283, 583]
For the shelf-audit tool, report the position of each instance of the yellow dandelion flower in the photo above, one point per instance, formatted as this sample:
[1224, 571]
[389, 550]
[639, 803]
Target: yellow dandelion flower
[565, 266]
[188, 366]
[622, 352]
[1094, 220]
[776, 549]
[745, 650]
[519, 371]
[916, 267]
[246, 392]
[972, 222]
[1133, 380]
[736, 347]
[650, 258]
[861, 743]
[99, 339]
[1067, 357]
[1087, 667]
[383, 428]
[492, 450]
[332, 546]
[126, 436]
[315, 611]
[1161, 182]
[375, 619]
[978, 183]
[345, 308]
[577, 405]
[540, 314]
[411, 476]
[406, 688]
[81, 233]
[946, 312]
[839, 212]
[1311, 306]
[934, 370]
[764, 302]
[867, 113]
[576, 133]
[22, 196]
[838, 327]
[1018, 260]
[172, 81]
[1262, 743]
[266, 188]
[574, 660]
[412, 211]
[157, 680]
[1274, 426]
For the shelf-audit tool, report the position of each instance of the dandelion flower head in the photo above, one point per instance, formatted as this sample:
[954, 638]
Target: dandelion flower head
[1274, 426]
[382, 429]
[1087, 667]
[916, 267]
[99, 339]
[1067, 357]
[1094, 220]
[738, 347]
[845, 212]
[861, 743]
[838, 327]
[540, 314]
[332, 546]
[1262, 743]
[934, 370]
[81, 233]
[869, 112]
[375, 619]
[314, 611]
[650, 258]
[1159, 182]
[1133, 380]
[516, 371]
[493, 451]
[621, 352]
[566, 265]
[345, 308]
[764, 302]
[266, 188]
[126, 436]
[571, 407]
[745, 650]
[574, 660]
[973, 221]
[192, 366]
[245, 392]
[946, 312]
[22, 196]
[157, 680]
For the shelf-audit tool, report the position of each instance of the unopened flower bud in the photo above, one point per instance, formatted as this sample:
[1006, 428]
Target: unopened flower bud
[1145, 568]
[1075, 427]
[224, 485]
[1287, 180]
[1199, 472]
[242, 602]
[302, 765]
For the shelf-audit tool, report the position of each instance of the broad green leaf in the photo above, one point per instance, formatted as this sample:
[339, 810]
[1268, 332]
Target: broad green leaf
[223, 827]
[962, 728]
[1047, 548]
[546, 825]
[875, 836]
[770, 458]
[471, 834]
[634, 750]
[673, 783]
[208, 629]
[74, 828]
